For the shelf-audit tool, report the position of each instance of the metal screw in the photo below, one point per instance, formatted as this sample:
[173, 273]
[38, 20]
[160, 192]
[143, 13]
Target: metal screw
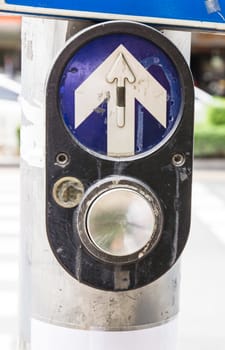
[178, 159]
[62, 159]
[68, 192]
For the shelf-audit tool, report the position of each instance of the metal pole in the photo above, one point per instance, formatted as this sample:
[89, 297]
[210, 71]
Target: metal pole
[57, 312]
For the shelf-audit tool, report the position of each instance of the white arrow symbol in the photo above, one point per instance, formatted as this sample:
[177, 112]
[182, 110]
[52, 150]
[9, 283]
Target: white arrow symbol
[132, 82]
[120, 73]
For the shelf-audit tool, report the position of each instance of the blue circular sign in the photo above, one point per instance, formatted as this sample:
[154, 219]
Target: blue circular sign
[120, 95]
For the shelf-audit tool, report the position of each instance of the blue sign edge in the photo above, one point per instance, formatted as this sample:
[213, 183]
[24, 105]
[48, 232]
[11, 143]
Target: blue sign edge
[218, 25]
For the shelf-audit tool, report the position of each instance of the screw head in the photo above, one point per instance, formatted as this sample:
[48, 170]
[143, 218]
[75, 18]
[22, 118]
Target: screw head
[62, 159]
[178, 159]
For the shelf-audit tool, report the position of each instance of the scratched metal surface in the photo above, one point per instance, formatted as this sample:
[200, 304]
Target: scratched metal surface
[48, 292]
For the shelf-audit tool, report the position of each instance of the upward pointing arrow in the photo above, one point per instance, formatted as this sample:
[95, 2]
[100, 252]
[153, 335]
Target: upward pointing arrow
[122, 68]
[120, 72]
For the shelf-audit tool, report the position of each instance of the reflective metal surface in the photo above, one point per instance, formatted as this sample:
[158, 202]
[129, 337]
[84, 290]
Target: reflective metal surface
[49, 293]
[120, 222]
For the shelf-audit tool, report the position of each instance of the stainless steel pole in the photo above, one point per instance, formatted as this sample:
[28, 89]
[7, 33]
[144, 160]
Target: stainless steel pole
[57, 312]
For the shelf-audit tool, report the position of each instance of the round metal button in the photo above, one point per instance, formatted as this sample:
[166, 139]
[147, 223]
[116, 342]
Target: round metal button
[120, 222]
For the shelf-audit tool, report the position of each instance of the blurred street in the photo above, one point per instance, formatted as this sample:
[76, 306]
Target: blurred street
[9, 239]
[201, 321]
[203, 263]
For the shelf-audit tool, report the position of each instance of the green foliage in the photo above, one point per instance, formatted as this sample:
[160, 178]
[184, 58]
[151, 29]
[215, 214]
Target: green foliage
[209, 135]
[209, 140]
[18, 136]
[216, 112]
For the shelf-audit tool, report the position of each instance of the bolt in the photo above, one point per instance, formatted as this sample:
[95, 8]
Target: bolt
[68, 192]
[62, 159]
[178, 159]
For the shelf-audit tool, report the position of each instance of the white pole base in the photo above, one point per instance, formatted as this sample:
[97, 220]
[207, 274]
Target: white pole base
[46, 336]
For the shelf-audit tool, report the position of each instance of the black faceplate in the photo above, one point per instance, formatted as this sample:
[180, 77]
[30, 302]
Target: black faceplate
[170, 183]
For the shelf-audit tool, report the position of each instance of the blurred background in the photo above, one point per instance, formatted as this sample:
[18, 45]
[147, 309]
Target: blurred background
[10, 61]
[201, 320]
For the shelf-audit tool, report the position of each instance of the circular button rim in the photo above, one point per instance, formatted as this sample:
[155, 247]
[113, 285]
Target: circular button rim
[116, 182]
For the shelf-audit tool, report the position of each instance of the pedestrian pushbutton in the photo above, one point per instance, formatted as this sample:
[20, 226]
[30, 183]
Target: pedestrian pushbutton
[120, 222]
[119, 136]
